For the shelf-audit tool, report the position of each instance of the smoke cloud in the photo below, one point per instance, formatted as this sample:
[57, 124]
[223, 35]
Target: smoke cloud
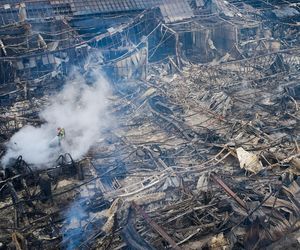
[80, 108]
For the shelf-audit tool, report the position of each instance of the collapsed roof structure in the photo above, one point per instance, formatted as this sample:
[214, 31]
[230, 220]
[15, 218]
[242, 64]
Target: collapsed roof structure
[202, 151]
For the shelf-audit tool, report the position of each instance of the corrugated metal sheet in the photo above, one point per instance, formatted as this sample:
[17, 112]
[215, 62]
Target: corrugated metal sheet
[133, 66]
[199, 3]
[175, 10]
[106, 6]
[11, 10]
[172, 10]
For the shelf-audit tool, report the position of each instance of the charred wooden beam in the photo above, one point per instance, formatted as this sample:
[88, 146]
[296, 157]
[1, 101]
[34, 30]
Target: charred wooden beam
[19, 209]
[45, 187]
[155, 226]
[132, 238]
[220, 182]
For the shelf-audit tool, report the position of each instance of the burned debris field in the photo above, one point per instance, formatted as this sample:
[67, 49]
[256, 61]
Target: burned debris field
[149, 124]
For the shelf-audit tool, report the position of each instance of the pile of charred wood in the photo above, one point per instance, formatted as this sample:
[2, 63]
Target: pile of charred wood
[207, 158]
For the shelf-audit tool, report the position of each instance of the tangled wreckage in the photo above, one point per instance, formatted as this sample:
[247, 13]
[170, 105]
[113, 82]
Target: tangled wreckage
[203, 148]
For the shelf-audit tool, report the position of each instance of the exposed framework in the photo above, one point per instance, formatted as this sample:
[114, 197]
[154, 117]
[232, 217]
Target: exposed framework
[204, 158]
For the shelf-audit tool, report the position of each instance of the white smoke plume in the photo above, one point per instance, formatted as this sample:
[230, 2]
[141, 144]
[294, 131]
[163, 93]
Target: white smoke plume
[80, 108]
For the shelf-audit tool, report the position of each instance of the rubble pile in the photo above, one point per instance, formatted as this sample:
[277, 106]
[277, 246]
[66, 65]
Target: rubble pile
[196, 155]
[213, 164]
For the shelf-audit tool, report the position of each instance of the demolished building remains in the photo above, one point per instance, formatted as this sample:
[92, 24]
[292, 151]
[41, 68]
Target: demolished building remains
[181, 123]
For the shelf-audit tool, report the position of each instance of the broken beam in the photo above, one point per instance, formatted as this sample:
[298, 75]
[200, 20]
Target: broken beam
[155, 226]
[218, 181]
